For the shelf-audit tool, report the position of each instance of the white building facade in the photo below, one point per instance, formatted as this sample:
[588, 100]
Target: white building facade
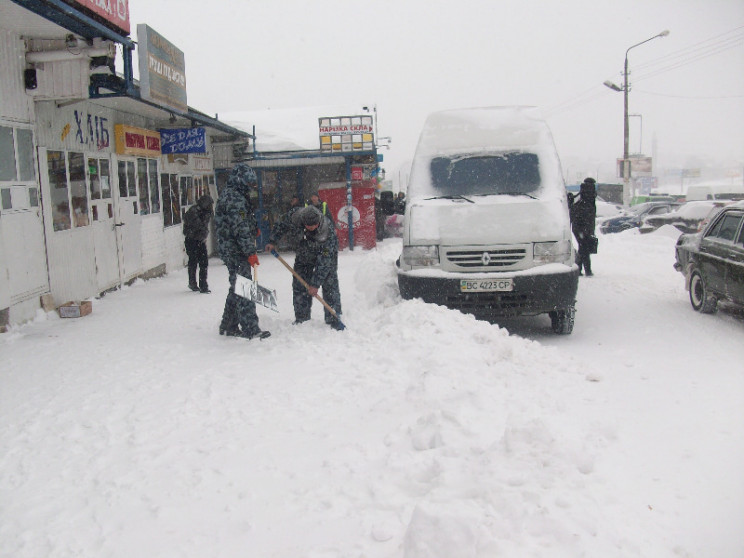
[89, 199]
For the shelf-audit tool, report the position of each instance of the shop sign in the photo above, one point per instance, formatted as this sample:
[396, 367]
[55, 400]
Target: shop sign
[115, 12]
[89, 130]
[202, 163]
[162, 69]
[184, 140]
[136, 141]
[346, 133]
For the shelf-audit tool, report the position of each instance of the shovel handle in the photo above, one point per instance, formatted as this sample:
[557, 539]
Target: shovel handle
[307, 286]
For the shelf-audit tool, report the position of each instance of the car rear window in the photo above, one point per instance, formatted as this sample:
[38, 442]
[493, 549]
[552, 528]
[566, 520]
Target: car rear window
[506, 173]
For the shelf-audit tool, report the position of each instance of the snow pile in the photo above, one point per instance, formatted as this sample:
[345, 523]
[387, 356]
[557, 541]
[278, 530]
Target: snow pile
[418, 432]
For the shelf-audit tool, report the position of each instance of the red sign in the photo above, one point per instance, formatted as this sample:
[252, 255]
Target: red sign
[362, 212]
[115, 12]
[136, 141]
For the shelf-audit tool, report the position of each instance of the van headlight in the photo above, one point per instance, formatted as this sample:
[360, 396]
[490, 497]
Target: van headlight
[421, 256]
[552, 252]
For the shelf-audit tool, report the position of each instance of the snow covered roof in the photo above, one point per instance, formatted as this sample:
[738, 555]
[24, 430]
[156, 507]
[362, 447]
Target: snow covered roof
[292, 129]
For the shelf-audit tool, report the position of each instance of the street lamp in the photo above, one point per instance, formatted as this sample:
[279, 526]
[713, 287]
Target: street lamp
[626, 128]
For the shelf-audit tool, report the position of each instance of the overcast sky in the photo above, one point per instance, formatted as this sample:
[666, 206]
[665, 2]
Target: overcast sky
[413, 57]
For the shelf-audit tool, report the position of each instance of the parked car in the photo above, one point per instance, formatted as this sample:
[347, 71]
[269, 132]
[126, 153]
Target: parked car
[605, 209]
[687, 217]
[632, 217]
[711, 214]
[712, 261]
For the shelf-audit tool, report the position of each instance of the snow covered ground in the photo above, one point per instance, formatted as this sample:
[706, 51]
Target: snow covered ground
[418, 432]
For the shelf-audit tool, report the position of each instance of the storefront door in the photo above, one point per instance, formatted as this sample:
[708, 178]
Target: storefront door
[102, 216]
[128, 220]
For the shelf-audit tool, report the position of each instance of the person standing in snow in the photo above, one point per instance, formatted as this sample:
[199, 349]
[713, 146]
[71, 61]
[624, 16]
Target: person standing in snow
[196, 230]
[583, 217]
[236, 228]
[316, 261]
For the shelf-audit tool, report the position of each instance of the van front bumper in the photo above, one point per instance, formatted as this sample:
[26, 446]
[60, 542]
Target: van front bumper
[533, 293]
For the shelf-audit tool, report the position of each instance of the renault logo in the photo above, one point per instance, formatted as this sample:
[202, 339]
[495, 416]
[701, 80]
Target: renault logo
[486, 258]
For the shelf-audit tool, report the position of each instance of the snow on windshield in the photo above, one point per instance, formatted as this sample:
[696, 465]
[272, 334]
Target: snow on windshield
[494, 150]
[507, 173]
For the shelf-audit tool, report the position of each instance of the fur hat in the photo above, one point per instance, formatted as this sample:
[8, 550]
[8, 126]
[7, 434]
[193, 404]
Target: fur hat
[310, 216]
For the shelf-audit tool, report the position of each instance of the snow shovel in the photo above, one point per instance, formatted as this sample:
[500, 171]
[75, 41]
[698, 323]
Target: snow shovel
[307, 286]
[253, 291]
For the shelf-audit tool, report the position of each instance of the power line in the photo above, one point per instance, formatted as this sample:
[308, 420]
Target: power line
[703, 49]
[690, 96]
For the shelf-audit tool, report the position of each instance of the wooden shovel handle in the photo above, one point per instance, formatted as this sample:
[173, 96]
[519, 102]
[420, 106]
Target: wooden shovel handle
[306, 285]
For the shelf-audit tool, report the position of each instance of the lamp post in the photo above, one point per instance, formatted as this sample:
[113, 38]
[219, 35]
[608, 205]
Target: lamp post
[626, 128]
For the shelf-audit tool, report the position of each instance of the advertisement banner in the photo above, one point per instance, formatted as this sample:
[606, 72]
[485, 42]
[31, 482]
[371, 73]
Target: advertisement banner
[363, 214]
[183, 140]
[136, 141]
[346, 133]
[113, 12]
[162, 69]
[639, 166]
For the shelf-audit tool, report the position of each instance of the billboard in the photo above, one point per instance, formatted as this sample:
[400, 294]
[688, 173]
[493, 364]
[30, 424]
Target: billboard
[162, 69]
[346, 133]
[639, 166]
[112, 13]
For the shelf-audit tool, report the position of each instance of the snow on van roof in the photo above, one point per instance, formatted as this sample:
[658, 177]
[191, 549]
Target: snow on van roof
[481, 131]
[479, 128]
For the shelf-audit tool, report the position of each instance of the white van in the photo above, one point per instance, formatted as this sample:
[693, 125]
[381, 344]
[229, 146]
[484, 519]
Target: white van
[486, 228]
[715, 192]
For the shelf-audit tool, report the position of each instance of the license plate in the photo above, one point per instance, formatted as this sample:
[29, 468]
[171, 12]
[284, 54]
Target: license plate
[485, 285]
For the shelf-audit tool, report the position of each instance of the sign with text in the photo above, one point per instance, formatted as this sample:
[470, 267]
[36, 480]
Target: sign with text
[639, 166]
[346, 133]
[162, 69]
[136, 141]
[184, 140]
[114, 13]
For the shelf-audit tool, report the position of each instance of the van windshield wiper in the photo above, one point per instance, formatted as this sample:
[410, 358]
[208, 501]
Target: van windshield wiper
[515, 194]
[451, 197]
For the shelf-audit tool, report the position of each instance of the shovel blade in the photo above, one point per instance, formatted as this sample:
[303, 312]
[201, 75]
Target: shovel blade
[253, 291]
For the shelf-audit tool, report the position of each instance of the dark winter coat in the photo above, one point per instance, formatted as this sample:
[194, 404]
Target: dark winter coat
[584, 215]
[317, 249]
[235, 224]
[196, 220]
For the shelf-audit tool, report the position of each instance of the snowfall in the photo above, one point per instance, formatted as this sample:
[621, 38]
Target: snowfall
[418, 432]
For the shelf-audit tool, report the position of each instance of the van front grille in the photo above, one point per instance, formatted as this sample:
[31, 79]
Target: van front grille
[484, 259]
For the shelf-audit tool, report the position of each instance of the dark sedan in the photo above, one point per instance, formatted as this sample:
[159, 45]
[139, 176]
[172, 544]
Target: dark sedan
[633, 217]
[712, 261]
[686, 218]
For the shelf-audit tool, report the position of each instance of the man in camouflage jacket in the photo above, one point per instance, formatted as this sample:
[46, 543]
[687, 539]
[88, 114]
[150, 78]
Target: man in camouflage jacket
[236, 229]
[316, 261]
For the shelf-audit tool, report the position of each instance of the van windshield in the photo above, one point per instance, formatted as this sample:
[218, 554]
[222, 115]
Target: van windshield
[513, 173]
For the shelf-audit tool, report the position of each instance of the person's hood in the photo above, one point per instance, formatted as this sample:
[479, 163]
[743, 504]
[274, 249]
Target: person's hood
[242, 178]
[205, 202]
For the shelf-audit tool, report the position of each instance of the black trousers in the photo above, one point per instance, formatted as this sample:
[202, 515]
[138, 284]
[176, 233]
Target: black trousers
[196, 250]
[583, 256]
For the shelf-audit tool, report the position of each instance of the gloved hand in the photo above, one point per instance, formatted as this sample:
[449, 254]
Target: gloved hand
[253, 260]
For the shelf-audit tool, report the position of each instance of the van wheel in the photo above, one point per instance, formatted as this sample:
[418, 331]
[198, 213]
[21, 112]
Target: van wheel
[562, 321]
[700, 297]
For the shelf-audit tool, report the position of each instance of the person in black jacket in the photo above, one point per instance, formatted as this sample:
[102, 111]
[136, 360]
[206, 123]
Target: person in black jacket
[583, 217]
[196, 230]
